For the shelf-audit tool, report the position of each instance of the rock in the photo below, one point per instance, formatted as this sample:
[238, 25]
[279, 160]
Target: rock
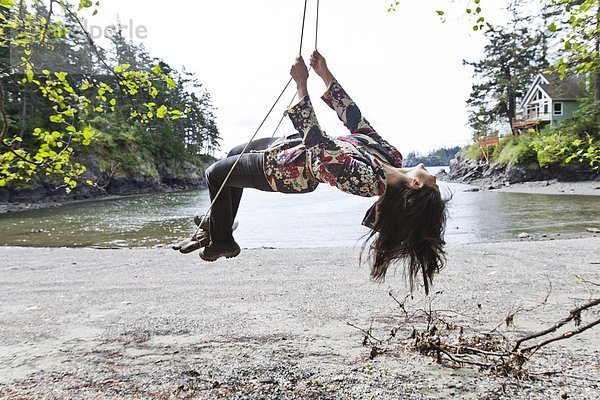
[471, 190]
[593, 230]
[524, 235]
[464, 170]
[563, 394]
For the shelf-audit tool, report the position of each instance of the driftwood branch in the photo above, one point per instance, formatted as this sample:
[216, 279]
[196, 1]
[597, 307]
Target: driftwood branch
[574, 314]
[432, 334]
[565, 335]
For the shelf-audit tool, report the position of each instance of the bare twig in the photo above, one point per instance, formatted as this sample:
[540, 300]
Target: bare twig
[366, 333]
[4, 130]
[573, 314]
[459, 360]
[565, 335]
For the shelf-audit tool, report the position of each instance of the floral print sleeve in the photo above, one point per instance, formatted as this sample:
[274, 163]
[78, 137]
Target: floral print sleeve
[305, 121]
[341, 164]
[347, 110]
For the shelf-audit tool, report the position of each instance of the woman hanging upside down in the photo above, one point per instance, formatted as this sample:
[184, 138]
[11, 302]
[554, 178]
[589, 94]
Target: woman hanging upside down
[407, 222]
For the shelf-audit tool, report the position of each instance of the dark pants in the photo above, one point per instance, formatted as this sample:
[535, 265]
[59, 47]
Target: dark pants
[248, 173]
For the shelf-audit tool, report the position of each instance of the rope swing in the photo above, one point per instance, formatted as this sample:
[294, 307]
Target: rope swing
[205, 215]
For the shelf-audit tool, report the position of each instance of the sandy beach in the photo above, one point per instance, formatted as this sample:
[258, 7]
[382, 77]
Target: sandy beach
[275, 323]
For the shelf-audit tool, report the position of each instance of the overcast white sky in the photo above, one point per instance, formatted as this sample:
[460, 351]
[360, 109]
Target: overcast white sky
[403, 69]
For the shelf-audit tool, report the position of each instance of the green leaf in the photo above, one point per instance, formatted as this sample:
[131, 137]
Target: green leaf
[552, 27]
[157, 70]
[84, 4]
[171, 84]
[440, 12]
[61, 76]
[57, 119]
[161, 112]
[7, 3]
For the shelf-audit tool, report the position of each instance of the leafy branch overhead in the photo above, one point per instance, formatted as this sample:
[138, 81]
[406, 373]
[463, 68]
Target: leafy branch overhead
[50, 63]
[472, 9]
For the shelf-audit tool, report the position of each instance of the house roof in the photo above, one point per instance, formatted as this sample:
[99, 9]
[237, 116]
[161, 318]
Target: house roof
[562, 89]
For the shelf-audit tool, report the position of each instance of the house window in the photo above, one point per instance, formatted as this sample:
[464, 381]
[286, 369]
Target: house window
[558, 108]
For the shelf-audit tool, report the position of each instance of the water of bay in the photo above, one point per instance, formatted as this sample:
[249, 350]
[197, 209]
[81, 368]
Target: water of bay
[324, 218]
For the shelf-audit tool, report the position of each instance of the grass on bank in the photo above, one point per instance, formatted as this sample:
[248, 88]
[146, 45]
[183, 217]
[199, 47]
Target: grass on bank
[576, 140]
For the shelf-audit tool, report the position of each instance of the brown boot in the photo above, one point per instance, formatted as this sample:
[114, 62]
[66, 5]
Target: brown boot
[196, 242]
[215, 251]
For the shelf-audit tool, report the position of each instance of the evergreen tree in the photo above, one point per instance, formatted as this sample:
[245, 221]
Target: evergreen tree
[514, 54]
[434, 158]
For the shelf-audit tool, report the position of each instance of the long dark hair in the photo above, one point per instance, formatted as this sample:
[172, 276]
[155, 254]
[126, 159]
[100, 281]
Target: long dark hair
[410, 227]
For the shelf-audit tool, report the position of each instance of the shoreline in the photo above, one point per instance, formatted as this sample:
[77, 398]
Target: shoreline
[548, 187]
[280, 323]
[24, 206]
[553, 187]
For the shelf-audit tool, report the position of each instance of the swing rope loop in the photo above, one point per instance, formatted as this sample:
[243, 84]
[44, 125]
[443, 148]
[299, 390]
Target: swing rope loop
[207, 213]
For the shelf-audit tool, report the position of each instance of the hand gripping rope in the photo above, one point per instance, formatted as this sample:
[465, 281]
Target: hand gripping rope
[205, 215]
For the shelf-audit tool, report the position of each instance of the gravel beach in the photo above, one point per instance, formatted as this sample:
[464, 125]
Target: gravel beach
[275, 323]
[586, 188]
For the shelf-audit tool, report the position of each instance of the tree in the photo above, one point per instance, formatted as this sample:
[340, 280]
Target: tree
[576, 25]
[514, 55]
[437, 157]
[65, 99]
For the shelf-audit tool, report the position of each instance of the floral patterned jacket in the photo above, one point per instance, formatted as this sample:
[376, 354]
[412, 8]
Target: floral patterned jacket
[351, 163]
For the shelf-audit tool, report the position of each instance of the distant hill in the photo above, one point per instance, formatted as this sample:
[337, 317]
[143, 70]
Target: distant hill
[436, 157]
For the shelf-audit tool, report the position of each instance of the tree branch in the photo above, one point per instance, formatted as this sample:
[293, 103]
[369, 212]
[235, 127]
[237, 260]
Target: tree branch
[572, 315]
[4, 130]
[565, 335]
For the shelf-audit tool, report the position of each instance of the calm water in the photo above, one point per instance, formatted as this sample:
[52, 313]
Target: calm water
[325, 218]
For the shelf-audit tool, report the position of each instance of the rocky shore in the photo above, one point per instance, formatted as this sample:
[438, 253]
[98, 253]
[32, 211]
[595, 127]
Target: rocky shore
[495, 176]
[178, 177]
[284, 324]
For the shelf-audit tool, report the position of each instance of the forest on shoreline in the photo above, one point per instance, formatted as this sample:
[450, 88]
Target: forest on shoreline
[89, 117]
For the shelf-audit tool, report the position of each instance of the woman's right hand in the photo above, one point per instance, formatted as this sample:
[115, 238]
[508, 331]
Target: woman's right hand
[299, 73]
[319, 65]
